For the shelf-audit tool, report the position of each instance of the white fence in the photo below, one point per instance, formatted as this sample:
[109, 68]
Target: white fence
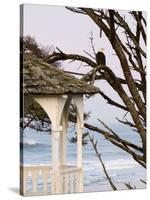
[71, 180]
[37, 180]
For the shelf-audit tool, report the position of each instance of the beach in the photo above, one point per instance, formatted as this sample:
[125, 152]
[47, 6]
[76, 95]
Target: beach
[103, 187]
[120, 166]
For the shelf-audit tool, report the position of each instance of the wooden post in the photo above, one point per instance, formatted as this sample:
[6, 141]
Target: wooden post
[79, 141]
[57, 109]
[80, 125]
[63, 138]
[55, 147]
[79, 151]
[55, 184]
[54, 106]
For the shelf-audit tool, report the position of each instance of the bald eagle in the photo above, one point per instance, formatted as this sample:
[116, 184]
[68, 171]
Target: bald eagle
[100, 57]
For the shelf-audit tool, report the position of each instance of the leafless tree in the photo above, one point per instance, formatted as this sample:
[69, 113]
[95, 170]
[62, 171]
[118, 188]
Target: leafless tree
[131, 53]
[132, 56]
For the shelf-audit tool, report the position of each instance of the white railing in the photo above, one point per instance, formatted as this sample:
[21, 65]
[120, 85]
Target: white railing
[71, 180]
[37, 179]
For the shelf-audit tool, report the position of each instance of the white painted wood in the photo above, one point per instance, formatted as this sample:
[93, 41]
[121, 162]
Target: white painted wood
[34, 174]
[62, 183]
[75, 181]
[72, 176]
[56, 148]
[66, 184]
[79, 142]
[45, 174]
[67, 180]
[64, 178]
[80, 125]
[34, 171]
[63, 136]
[54, 106]
[25, 174]
[78, 99]
[53, 184]
[56, 187]
[80, 189]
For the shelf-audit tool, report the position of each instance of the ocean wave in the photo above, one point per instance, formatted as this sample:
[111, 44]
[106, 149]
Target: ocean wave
[29, 143]
[121, 164]
[116, 164]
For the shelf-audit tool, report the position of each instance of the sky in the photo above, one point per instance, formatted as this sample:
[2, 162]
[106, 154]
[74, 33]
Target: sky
[59, 27]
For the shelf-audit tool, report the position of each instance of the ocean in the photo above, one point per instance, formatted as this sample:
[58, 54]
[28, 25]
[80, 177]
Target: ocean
[120, 166]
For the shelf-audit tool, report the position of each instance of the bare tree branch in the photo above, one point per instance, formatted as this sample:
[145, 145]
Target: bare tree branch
[131, 56]
[128, 185]
[102, 163]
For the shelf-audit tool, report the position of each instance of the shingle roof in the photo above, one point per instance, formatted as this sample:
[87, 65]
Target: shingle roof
[40, 78]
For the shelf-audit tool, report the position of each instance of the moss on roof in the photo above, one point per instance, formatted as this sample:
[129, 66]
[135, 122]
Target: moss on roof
[40, 78]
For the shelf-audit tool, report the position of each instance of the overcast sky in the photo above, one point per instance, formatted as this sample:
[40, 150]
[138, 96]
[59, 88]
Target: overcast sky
[57, 26]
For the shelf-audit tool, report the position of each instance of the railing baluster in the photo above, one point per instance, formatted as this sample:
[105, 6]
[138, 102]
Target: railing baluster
[72, 182]
[45, 174]
[63, 182]
[66, 183]
[76, 182]
[25, 177]
[70, 179]
[80, 174]
[35, 173]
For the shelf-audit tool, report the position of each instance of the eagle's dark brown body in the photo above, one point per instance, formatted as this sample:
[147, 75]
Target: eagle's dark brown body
[100, 58]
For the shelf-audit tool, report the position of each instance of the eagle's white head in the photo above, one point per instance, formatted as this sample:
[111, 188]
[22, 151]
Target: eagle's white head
[101, 50]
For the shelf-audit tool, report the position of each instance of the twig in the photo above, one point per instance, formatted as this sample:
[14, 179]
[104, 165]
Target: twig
[89, 54]
[69, 72]
[143, 181]
[102, 163]
[128, 185]
[59, 50]
[92, 44]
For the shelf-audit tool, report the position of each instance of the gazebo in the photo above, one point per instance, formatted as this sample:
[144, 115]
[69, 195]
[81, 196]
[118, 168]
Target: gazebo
[54, 90]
